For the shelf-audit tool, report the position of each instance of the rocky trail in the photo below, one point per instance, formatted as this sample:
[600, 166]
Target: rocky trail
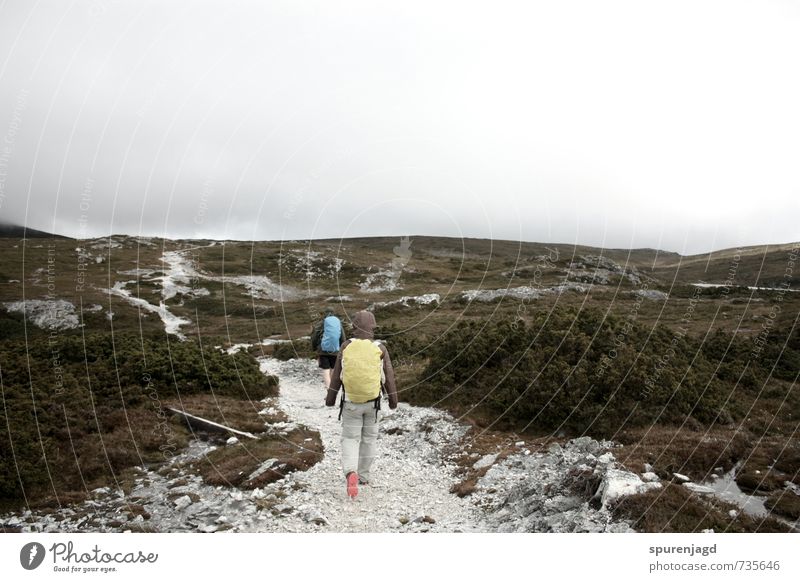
[412, 478]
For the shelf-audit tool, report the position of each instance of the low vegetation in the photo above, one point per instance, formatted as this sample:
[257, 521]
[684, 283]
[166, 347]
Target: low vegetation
[79, 411]
[591, 372]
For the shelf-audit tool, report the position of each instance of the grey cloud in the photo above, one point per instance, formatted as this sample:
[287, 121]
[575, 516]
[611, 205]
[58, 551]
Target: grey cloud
[246, 120]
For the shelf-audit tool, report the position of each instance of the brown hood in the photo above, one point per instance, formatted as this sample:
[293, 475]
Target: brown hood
[364, 325]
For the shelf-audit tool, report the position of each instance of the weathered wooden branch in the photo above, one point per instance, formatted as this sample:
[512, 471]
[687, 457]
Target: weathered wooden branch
[209, 425]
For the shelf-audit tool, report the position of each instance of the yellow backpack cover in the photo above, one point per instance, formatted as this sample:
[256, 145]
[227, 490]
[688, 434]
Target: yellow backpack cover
[362, 370]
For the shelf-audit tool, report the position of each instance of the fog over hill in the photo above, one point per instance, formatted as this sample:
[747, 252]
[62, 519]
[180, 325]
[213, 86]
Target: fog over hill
[576, 123]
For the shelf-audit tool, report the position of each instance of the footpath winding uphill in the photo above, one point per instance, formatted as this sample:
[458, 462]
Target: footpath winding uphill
[412, 478]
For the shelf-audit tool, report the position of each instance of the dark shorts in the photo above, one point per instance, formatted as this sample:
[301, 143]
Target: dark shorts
[327, 362]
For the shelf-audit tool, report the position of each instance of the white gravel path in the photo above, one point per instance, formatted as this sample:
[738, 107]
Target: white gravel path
[411, 481]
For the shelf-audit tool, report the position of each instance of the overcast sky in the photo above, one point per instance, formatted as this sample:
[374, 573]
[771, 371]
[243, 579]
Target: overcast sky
[648, 124]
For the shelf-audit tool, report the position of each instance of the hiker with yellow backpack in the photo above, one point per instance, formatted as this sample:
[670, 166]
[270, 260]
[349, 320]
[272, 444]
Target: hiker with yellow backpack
[363, 371]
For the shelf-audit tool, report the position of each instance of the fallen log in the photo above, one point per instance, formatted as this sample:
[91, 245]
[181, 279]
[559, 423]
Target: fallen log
[199, 423]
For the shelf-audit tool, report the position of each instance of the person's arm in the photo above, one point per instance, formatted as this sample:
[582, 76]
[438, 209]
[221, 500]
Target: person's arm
[388, 371]
[336, 380]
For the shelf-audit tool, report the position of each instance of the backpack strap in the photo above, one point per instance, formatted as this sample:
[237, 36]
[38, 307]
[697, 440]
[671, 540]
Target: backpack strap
[341, 404]
[383, 382]
[377, 407]
[383, 372]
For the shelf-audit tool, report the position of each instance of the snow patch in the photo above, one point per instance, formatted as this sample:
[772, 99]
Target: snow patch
[380, 281]
[427, 299]
[652, 294]
[182, 273]
[311, 264]
[172, 323]
[750, 287]
[236, 348]
[522, 292]
[178, 277]
[339, 298]
[138, 272]
[50, 314]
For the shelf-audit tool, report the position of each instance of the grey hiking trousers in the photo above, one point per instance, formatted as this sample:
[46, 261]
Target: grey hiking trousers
[359, 438]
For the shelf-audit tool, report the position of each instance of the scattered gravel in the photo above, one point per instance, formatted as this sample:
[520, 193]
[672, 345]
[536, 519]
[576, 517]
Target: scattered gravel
[548, 492]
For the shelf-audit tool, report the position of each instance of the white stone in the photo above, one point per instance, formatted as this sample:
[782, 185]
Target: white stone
[605, 458]
[232, 441]
[485, 461]
[183, 502]
[618, 483]
[681, 477]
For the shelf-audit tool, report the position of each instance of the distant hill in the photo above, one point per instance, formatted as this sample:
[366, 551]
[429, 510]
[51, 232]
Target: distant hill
[17, 231]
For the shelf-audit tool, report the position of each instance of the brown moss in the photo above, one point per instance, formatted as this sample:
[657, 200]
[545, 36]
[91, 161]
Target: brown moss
[232, 466]
[674, 450]
[233, 412]
[752, 480]
[785, 503]
[676, 509]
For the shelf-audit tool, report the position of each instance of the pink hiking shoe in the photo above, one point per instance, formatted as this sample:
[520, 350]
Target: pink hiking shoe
[352, 484]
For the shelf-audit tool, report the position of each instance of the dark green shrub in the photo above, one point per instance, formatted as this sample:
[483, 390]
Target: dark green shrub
[571, 370]
[300, 348]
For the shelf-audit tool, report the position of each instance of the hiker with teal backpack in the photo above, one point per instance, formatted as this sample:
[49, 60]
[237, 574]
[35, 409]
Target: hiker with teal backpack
[363, 371]
[326, 338]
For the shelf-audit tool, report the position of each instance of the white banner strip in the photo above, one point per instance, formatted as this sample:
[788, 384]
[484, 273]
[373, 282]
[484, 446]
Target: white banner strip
[499, 557]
